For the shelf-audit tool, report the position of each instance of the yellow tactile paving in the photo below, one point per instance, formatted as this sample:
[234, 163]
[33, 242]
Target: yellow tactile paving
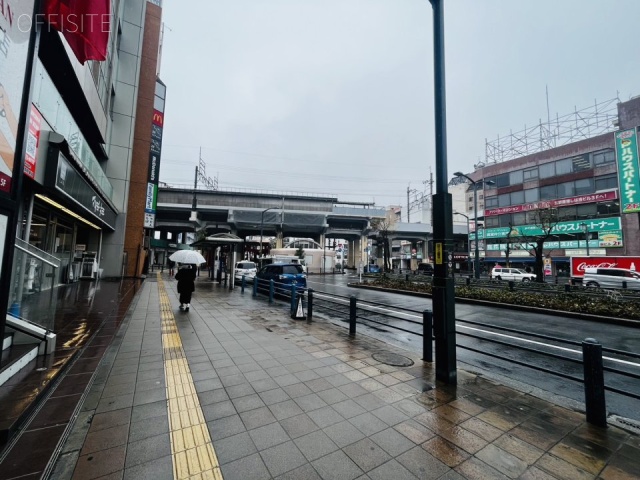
[191, 447]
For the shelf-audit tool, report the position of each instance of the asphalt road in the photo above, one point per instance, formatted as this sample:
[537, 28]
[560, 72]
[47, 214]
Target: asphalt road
[616, 337]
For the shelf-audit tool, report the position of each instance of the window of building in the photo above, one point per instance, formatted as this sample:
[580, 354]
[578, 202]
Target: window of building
[502, 180]
[606, 182]
[530, 174]
[471, 198]
[491, 202]
[505, 220]
[607, 209]
[547, 170]
[586, 211]
[531, 195]
[515, 178]
[519, 218]
[564, 166]
[585, 186]
[548, 192]
[492, 222]
[517, 198]
[504, 200]
[532, 217]
[567, 213]
[605, 156]
[480, 196]
[564, 190]
[581, 163]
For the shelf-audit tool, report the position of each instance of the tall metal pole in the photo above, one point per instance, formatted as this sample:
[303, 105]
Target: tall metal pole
[443, 287]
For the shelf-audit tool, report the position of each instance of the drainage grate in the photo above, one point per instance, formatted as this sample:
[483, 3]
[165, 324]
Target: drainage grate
[625, 423]
[392, 359]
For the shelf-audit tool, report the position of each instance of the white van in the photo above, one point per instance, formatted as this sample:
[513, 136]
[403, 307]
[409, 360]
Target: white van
[611, 278]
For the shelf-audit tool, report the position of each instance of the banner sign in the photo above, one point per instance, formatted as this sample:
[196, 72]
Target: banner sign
[70, 183]
[628, 170]
[572, 227]
[157, 125]
[579, 264]
[15, 31]
[561, 202]
[33, 140]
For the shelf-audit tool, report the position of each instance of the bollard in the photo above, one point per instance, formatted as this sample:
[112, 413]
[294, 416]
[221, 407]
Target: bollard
[352, 316]
[255, 286]
[406, 277]
[293, 298]
[427, 336]
[624, 284]
[594, 382]
[468, 280]
[309, 304]
[567, 287]
[511, 285]
[271, 291]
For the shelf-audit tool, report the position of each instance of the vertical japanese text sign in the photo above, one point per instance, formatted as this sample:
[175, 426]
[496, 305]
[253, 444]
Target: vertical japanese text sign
[628, 170]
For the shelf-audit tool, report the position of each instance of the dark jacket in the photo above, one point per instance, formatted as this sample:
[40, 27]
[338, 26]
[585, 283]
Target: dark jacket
[186, 277]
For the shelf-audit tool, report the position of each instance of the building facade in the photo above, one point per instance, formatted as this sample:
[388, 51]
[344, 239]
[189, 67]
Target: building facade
[570, 194]
[74, 197]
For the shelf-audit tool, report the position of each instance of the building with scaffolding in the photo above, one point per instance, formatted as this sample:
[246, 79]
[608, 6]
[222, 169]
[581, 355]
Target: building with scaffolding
[572, 168]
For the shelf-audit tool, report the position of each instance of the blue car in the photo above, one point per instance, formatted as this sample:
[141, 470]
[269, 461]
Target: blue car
[283, 275]
[371, 268]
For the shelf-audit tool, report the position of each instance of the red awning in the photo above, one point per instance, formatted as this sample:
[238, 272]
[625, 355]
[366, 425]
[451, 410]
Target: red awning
[85, 25]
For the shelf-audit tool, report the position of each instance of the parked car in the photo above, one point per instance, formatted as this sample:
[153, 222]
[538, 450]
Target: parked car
[248, 269]
[371, 268]
[283, 275]
[611, 278]
[425, 269]
[502, 273]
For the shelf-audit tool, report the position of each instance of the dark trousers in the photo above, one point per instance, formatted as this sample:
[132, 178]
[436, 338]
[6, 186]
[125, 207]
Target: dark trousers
[185, 297]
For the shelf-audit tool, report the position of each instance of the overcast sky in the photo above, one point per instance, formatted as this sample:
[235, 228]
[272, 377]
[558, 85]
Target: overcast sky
[336, 96]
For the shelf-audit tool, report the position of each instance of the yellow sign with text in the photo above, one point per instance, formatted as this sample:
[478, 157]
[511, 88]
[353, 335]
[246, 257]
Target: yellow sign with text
[438, 253]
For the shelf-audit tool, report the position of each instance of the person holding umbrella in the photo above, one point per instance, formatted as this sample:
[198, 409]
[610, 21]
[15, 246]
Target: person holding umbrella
[186, 278]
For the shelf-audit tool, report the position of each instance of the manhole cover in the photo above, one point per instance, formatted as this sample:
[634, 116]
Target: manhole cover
[393, 359]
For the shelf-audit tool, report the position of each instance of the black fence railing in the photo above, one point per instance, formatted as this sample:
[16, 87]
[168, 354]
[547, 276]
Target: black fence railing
[589, 353]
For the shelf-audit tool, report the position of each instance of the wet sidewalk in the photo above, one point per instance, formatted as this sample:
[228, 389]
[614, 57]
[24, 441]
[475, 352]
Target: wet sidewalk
[235, 389]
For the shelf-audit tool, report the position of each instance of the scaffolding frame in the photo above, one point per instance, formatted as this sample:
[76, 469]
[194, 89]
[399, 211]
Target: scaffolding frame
[599, 118]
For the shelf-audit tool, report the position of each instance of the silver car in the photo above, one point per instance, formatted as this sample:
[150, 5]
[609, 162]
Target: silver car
[611, 278]
[248, 269]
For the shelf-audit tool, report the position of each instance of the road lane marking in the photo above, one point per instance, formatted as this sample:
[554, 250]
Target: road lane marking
[534, 342]
[191, 448]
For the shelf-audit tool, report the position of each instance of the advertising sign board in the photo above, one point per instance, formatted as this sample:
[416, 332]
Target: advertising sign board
[578, 264]
[628, 175]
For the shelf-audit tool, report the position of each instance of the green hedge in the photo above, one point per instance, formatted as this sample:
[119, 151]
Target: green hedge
[567, 302]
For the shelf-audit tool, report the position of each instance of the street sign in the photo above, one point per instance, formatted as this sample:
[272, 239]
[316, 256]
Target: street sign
[438, 253]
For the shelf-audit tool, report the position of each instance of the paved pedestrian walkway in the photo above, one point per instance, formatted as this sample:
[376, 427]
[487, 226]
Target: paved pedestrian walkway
[235, 389]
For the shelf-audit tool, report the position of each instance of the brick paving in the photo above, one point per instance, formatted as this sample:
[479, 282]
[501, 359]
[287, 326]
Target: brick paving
[288, 399]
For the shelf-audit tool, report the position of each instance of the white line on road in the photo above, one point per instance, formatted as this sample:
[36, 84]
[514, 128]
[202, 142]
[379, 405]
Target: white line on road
[534, 342]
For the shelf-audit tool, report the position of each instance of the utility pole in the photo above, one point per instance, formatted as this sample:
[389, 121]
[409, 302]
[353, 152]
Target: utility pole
[408, 205]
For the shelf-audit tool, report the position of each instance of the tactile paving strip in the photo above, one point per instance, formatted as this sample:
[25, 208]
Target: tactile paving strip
[191, 447]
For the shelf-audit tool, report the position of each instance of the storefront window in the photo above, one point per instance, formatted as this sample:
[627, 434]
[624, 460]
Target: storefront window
[38, 232]
[63, 238]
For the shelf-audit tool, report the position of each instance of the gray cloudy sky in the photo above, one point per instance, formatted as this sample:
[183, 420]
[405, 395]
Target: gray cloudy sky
[336, 96]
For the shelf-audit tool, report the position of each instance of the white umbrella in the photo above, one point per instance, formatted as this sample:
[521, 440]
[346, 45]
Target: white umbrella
[187, 256]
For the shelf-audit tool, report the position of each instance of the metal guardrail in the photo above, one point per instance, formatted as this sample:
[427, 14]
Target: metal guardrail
[354, 311]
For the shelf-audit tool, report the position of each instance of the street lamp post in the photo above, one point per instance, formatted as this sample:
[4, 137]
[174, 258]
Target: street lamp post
[585, 229]
[476, 260]
[468, 236]
[262, 225]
